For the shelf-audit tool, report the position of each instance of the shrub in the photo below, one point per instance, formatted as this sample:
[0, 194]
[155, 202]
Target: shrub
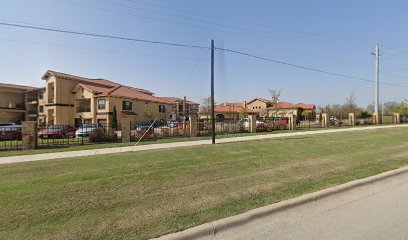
[103, 135]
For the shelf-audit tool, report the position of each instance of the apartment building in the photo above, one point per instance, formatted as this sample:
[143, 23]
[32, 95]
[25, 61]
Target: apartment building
[73, 100]
[259, 106]
[13, 103]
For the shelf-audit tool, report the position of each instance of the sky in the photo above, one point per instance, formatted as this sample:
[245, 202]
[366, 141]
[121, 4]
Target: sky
[328, 35]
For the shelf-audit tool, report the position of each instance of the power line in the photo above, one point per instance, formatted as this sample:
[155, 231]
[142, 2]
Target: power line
[47, 44]
[100, 35]
[244, 31]
[306, 68]
[332, 38]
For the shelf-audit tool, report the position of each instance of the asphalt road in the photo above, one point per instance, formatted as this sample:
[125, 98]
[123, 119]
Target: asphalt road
[375, 211]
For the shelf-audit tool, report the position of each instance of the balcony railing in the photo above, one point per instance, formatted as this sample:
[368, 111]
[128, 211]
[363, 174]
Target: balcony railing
[82, 109]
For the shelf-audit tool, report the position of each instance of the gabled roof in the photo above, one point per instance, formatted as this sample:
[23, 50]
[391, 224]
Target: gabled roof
[306, 106]
[287, 105]
[236, 107]
[17, 87]
[98, 81]
[131, 93]
[262, 100]
[176, 99]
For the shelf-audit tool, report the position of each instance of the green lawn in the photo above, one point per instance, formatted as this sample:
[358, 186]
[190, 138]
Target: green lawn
[72, 144]
[147, 194]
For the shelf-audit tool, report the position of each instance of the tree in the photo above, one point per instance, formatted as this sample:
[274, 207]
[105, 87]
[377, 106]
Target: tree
[350, 106]
[390, 108]
[205, 107]
[114, 118]
[243, 113]
[148, 114]
[275, 96]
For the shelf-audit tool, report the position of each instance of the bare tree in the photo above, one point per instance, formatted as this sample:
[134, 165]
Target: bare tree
[275, 96]
[205, 107]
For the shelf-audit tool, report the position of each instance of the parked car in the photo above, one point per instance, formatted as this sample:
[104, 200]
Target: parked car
[244, 123]
[86, 129]
[57, 131]
[143, 127]
[172, 123]
[10, 131]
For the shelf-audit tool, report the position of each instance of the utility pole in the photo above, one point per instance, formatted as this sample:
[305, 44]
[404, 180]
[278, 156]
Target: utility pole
[377, 78]
[212, 93]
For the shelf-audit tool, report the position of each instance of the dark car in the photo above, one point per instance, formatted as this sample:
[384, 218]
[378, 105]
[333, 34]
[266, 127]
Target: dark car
[57, 131]
[143, 127]
[10, 131]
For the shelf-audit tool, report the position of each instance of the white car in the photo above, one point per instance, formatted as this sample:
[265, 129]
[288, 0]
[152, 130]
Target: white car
[86, 129]
[244, 123]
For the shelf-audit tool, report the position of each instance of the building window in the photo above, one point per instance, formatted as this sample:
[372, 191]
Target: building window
[40, 95]
[127, 106]
[101, 104]
[40, 109]
[162, 108]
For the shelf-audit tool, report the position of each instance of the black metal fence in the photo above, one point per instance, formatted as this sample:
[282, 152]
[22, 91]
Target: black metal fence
[10, 138]
[145, 131]
[65, 135]
[269, 124]
[404, 119]
[309, 121]
[204, 127]
[387, 119]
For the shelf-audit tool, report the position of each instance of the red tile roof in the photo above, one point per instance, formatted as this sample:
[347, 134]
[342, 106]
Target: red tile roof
[286, 105]
[99, 81]
[306, 106]
[17, 87]
[231, 108]
[262, 100]
[175, 100]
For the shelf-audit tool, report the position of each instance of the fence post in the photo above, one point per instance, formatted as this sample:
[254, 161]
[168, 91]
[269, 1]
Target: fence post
[397, 119]
[292, 122]
[29, 135]
[352, 119]
[125, 130]
[325, 120]
[193, 126]
[252, 123]
[376, 119]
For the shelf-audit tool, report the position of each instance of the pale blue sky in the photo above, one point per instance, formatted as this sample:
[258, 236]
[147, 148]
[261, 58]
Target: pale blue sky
[331, 35]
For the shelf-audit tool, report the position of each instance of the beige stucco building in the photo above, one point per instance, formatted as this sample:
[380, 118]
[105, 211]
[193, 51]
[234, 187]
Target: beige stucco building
[72, 100]
[261, 107]
[15, 105]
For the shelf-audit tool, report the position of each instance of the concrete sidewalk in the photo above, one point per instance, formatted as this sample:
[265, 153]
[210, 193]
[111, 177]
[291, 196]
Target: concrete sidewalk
[82, 153]
[369, 208]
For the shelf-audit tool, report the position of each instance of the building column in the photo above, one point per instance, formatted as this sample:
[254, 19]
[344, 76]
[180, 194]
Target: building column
[252, 123]
[125, 130]
[29, 135]
[351, 119]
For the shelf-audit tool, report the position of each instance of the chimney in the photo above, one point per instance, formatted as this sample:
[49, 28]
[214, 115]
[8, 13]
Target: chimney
[244, 104]
[185, 98]
[225, 104]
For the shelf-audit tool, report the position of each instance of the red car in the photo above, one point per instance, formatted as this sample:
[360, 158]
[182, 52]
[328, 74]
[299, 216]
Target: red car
[57, 131]
[10, 131]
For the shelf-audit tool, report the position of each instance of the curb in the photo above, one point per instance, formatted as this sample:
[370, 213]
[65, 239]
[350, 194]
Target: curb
[213, 228]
